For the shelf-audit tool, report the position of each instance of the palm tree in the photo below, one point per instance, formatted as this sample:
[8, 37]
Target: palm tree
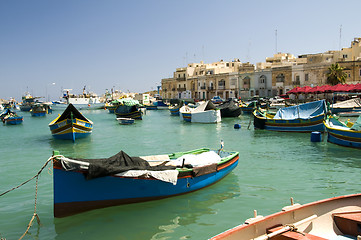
[336, 75]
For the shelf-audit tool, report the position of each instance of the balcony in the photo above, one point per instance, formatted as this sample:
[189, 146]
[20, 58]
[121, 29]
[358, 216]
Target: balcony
[181, 89]
[221, 87]
[203, 87]
[211, 88]
[181, 78]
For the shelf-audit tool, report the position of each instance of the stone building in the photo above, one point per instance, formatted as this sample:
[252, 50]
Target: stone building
[276, 76]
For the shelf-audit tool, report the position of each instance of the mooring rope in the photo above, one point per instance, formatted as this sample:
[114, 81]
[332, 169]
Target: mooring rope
[35, 215]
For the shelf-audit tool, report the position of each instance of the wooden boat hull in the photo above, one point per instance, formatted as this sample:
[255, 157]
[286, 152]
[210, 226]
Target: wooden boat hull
[74, 194]
[174, 111]
[295, 125]
[71, 129]
[343, 137]
[38, 113]
[318, 220]
[210, 116]
[128, 112]
[14, 120]
[125, 121]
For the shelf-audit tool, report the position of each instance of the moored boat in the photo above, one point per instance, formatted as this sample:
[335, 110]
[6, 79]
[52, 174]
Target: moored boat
[351, 105]
[10, 117]
[128, 108]
[28, 102]
[85, 184]
[204, 113]
[332, 218]
[306, 117]
[230, 109]
[89, 101]
[344, 134]
[71, 124]
[40, 110]
[125, 121]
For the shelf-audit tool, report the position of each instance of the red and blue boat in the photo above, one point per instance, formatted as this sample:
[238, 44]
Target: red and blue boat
[307, 117]
[85, 184]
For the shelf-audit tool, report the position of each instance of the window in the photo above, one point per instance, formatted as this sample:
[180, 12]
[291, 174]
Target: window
[344, 56]
[360, 72]
[306, 77]
[280, 78]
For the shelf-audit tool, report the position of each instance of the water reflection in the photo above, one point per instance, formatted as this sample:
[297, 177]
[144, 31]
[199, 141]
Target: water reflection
[150, 220]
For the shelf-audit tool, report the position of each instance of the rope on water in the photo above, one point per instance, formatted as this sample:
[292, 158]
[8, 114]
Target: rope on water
[35, 215]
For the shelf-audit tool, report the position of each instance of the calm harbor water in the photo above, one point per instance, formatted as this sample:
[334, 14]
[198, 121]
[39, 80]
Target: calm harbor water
[272, 168]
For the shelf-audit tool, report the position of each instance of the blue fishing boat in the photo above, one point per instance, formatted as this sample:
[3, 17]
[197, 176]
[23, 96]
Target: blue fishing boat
[344, 134]
[174, 110]
[85, 184]
[306, 117]
[10, 117]
[40, 110]
[128, 108]
[71, 125]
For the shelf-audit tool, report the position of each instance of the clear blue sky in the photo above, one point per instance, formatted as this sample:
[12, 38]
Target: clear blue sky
[132, 45]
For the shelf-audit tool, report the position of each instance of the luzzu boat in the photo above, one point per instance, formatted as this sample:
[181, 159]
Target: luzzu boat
[39, 110]
[332, 218]
[10, 117]
[306, 117]
[71, 125]
[128, 108]
[344, 134]
[85, 184]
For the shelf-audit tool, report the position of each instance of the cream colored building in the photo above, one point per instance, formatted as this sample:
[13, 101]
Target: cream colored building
[204, 81]
[276, 76]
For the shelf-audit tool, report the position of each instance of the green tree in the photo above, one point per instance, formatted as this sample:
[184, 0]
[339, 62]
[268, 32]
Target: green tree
[336, 75]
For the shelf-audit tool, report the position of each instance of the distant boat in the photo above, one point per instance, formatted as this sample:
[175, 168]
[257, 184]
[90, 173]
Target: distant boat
[351, 105]
[204, 113]
[344, 134]
[306, 117]
[332, 218]
[128, 108]
[111, 106]
[88, 101]
[125, 121]
[248, 107]
[71, 125]
[157, 105]
[28, 102]
[230, 109]
[84, 184]
[176, 105]
[10, 117]
[40, 110]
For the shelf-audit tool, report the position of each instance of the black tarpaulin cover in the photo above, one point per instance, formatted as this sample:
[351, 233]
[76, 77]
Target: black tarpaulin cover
[71, 110]
[118, 163]
[230, 109]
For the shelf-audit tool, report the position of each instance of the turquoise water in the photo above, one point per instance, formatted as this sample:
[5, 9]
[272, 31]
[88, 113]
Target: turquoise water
[272, 168]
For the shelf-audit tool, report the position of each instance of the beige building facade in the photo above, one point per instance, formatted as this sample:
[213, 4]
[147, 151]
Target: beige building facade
[276, 76]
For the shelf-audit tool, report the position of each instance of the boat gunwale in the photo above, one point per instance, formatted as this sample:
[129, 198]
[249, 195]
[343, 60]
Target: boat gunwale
[234, 230]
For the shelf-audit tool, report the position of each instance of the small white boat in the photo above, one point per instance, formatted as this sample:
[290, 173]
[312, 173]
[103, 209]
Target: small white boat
[125, 121]
[204, 113]
[332, 218]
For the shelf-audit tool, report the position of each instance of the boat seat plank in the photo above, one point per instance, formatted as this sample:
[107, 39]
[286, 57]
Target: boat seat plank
[348, 223]
[292, 235]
